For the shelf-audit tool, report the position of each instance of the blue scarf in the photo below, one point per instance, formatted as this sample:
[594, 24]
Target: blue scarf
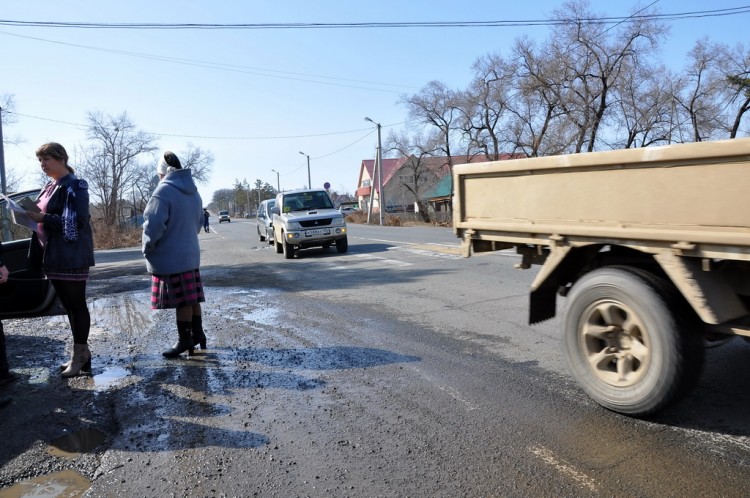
[69, 216]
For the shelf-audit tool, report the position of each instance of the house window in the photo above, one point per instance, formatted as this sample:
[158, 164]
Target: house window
[366, 183]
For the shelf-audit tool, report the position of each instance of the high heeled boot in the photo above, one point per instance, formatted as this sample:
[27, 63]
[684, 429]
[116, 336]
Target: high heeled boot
[199, 337]
[86, 369]
[80, 362]
[184, 341]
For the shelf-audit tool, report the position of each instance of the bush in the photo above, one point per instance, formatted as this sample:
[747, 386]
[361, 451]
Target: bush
[115, 237]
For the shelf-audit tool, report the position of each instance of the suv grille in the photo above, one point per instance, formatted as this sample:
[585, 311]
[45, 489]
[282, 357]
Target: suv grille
[323, 222]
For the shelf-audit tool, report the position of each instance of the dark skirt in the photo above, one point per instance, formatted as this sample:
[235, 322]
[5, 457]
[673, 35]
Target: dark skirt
[176, 291]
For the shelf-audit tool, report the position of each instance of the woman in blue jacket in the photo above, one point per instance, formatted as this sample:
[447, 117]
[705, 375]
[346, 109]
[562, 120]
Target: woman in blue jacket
[63, 246]
[172, 220]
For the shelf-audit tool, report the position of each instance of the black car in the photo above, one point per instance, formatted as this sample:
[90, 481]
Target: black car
[27, 293]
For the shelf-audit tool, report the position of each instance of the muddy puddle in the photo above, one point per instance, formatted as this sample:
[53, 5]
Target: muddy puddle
[65, 484]
[73, 444]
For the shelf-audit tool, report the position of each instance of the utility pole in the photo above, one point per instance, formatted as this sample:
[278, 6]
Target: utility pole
[3, 185]
[5, 219]
[379, 166]
[309, 183]
[278, 184]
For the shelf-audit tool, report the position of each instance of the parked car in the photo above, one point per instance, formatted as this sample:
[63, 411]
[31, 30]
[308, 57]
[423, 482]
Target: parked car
[346, 210]
[224, 216]
[307, 218]
[27, 293]
[265, 220]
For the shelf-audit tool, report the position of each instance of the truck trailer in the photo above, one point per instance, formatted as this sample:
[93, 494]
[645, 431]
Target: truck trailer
[650, 246]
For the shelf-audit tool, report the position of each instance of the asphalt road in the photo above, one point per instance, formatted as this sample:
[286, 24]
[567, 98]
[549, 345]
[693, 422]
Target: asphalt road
[397, 369]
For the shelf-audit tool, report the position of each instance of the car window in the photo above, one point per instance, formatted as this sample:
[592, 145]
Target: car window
[306, 201]
[10, 231]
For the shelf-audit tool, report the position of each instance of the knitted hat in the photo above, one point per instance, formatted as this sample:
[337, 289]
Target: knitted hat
[168, 163]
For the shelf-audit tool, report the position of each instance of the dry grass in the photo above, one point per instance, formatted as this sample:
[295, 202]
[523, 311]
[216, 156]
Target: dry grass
[396, 220]
[115, 237]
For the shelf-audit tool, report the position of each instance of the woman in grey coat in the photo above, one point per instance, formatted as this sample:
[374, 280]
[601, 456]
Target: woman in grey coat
[172, 220]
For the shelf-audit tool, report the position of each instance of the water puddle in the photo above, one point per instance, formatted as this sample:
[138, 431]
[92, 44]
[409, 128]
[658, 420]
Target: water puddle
[110, 377]
[65, 484]
[264, 316]
[72, 445]
[127, 313]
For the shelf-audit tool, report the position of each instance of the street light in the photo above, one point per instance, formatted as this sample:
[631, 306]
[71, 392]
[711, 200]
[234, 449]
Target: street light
[278, 185]
[309, 183]
[381, 197]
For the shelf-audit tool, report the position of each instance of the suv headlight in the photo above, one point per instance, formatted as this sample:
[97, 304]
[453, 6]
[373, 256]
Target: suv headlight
[293, 225]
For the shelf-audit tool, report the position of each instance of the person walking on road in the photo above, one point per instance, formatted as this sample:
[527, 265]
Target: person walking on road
[172, 220]
[206, 216]
[63, 246]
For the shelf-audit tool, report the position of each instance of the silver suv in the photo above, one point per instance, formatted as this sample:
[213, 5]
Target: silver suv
[265, 220]
[307, 218]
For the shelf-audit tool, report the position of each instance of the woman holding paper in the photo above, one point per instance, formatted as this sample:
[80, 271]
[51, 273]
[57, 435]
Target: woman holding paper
[63, 246]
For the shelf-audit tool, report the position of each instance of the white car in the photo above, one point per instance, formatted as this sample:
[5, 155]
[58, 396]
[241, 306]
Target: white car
[307, 218]
[224, 216]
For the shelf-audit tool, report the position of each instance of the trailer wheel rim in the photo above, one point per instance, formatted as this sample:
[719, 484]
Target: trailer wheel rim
[615, 343]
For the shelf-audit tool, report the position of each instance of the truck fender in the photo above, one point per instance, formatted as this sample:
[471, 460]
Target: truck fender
[710, 295]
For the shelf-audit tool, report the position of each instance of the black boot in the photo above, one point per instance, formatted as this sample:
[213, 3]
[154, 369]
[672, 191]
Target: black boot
[199, 337]
[184, 343]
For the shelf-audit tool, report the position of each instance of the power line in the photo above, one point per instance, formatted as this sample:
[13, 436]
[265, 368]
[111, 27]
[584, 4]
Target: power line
[232, 67]
[208, 137]
[369, 25]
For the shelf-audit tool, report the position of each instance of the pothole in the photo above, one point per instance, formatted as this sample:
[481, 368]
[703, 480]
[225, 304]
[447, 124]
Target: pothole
[73, 444]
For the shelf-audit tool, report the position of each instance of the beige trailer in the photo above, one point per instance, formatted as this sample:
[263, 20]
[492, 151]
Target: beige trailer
[651, 246]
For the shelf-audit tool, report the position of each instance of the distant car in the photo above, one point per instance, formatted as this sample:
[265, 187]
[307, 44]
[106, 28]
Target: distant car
[265, 220]
[345, 210]
[224, 216]
[28, 293]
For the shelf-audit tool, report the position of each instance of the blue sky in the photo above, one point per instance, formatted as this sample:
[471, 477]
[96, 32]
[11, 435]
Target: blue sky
[256, 98]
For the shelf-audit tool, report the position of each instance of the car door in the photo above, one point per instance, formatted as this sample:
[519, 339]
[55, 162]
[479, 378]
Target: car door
[27, 293]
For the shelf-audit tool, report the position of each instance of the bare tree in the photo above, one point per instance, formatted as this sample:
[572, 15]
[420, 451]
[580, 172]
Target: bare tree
[595, 58]
[199, 161]
[223, 198]
[484, 104]
[419, 172]
[700, 98]
[437, 106]
[736, 69]
[7, 118]
[111, 160]
[538, 122]
[645, 114]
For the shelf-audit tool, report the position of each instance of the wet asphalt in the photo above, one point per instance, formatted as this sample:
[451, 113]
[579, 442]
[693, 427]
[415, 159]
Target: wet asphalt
[397, 369]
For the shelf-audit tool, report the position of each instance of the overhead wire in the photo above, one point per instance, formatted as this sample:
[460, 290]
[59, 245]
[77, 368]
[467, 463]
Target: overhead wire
[250, 70]
[366, 25]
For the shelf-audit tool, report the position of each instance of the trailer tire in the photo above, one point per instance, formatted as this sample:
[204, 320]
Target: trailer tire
[631, 341]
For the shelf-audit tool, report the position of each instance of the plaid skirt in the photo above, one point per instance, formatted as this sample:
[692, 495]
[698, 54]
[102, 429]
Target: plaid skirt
[176, 291]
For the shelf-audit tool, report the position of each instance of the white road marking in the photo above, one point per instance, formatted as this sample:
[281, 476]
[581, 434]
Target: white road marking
[548, 457]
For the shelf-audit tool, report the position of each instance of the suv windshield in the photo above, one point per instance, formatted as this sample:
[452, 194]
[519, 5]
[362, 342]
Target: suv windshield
[307, 201]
